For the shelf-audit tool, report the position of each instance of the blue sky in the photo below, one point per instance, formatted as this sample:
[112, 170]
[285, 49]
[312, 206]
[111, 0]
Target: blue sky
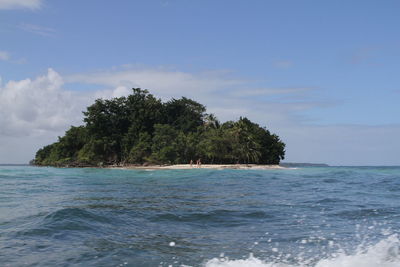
[322, 75]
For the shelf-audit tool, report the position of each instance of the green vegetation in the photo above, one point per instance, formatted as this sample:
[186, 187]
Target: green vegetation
[140, 129]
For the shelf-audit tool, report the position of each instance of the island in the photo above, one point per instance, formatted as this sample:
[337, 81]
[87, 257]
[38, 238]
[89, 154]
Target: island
[140, 130]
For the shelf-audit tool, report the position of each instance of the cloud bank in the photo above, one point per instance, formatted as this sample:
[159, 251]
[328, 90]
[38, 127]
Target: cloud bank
[29, 107]
[224, 94]
[33, 112]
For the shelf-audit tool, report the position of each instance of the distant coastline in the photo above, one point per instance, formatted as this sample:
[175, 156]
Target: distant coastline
[295, 164]
[15, 164]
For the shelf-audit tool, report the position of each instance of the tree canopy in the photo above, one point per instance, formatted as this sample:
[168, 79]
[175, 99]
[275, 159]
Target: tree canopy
[141, 129]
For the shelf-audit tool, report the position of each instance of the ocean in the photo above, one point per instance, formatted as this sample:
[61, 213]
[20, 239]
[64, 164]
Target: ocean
[312, 216]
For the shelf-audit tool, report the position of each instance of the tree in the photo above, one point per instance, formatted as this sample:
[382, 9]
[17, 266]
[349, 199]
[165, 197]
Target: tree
[210, 121]
[143, 112]
[184, 114]
[141, 129]
[106, 123]
[141, 151]
[164, 144]
[246, 148]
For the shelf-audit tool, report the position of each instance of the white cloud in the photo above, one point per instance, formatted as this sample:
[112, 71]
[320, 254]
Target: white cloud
[225, 95]
[16, 4]
[29, 107]
[164, 83]
[33, 112]
[221, 93]
[4, 55]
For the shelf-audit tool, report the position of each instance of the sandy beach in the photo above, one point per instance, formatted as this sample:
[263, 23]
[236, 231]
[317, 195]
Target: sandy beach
[203, 166]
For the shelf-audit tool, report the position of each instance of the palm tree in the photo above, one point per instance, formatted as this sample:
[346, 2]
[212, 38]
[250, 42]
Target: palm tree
[247, 148]
[210, 121]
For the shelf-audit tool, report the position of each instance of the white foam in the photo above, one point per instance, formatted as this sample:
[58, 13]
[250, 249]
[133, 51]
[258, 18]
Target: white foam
[385, 253]
[250, 262]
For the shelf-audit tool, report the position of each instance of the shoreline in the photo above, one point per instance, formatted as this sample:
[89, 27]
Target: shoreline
[203, 166]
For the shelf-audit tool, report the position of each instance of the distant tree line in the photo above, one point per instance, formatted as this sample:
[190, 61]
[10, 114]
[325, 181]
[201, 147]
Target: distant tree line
[141, 129]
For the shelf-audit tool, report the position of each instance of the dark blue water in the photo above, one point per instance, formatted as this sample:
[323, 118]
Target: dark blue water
[322, 217]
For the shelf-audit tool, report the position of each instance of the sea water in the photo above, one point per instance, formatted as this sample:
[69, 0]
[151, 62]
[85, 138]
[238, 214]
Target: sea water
[315, 216]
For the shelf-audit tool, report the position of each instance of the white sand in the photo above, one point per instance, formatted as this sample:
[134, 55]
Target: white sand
[204, 166]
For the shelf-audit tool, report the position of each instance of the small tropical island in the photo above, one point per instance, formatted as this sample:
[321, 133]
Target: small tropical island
[142, 131]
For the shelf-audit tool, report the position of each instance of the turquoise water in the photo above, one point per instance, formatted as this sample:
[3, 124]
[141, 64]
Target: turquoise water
[320, 217]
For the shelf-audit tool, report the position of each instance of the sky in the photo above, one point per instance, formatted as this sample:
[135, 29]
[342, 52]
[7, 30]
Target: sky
[323, 75]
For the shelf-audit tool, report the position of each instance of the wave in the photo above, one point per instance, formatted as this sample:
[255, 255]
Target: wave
[73, 213]
[66, 219]
[385, 253]
[365, 213]
[223, 217]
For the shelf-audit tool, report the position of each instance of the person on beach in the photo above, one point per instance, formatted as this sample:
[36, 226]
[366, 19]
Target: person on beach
[198, 163]
[191, 163]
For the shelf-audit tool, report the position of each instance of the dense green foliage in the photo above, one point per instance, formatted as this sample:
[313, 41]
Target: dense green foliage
[141, 129]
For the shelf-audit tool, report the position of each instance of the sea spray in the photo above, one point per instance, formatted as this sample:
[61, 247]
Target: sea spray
[385, 253]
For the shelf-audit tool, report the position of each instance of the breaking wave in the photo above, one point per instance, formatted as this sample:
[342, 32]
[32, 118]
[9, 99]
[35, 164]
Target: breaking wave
[385, 253]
